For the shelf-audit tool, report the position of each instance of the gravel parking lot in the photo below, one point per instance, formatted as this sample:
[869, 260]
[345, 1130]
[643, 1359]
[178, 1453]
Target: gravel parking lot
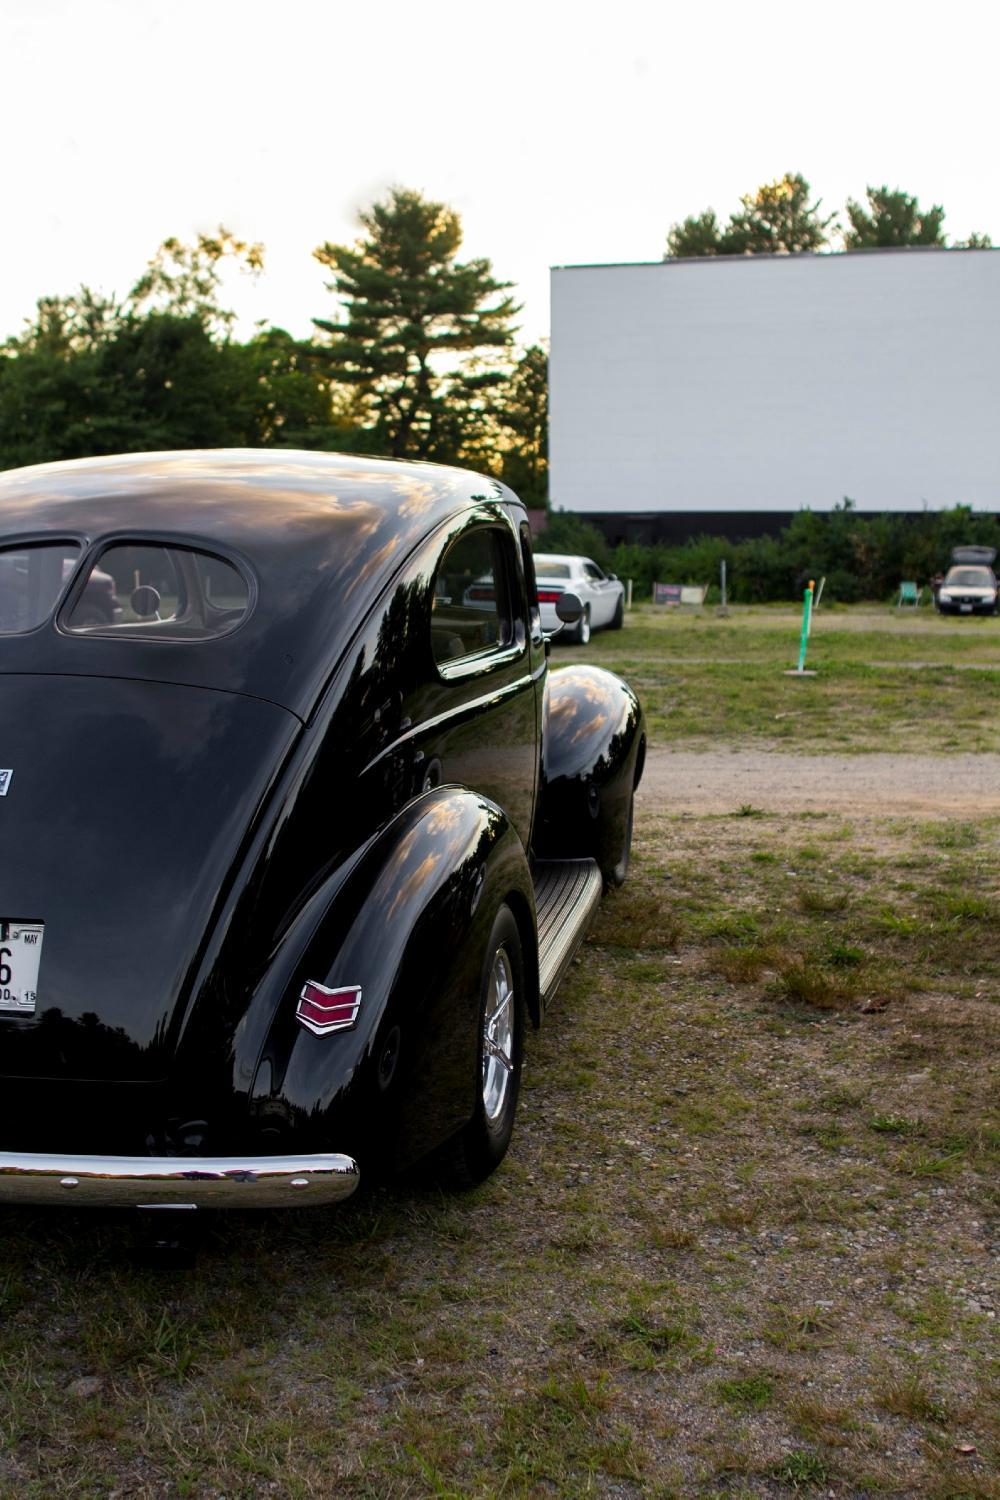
[712, 781]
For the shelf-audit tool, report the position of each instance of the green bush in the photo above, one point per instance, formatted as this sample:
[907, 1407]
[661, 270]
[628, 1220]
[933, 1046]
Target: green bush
[566, 532]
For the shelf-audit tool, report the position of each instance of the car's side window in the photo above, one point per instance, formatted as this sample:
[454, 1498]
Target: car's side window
[470, 612]
[591, 570]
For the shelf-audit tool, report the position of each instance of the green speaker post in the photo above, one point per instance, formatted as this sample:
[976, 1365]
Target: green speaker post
[800, 670]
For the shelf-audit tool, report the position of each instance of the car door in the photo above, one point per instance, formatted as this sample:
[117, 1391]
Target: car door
[473, 717]
[602, 593]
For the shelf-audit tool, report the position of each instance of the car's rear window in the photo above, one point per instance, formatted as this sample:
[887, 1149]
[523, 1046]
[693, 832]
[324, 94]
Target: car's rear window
[32, 578]
[551, 567]
[158, 592]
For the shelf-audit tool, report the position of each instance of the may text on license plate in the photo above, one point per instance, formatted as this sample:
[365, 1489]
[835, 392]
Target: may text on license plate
[20, 955]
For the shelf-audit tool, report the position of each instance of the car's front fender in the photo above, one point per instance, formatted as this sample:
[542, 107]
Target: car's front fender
[593, 749]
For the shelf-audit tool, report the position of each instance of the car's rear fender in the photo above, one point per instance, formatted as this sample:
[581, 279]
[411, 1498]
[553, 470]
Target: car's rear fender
[406, 925]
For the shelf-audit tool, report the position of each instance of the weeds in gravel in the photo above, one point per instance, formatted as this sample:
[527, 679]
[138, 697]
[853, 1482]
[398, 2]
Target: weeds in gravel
[802, 982]
[645, 1343]
[799, 1331]
[963, 908]
[895, 1125]
[747, 1392]
[741, 965]
[950, 835]
[822, 902]
[911, 1396]
[800, 1470]
[843, 955]
[823, 1421]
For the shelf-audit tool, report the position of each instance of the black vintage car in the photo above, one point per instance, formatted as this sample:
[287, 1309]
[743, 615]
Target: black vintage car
[296, 840]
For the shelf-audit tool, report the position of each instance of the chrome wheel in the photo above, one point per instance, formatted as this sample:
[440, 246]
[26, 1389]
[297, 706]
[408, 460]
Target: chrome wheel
[583, 629]
[498, 1038]
[479, 1147]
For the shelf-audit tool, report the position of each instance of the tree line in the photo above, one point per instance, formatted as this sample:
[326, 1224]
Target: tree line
[419, 361]
[861, 557]
[778, 218]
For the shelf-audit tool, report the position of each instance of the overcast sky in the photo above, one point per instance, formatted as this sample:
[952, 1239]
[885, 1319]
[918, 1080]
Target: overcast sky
[562, 132]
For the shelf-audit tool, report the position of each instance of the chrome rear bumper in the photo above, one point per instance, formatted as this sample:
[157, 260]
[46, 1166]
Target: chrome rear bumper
[175, 1181]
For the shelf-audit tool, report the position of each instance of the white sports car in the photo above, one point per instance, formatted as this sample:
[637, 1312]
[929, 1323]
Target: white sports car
[601, 594]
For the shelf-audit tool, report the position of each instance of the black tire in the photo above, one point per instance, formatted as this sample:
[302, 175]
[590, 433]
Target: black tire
[618, 619]
[481, 1145]
[581, 632]
[617, 873]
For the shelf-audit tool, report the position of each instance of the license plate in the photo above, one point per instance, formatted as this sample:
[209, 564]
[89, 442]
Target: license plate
[965, 609]
[20, 955]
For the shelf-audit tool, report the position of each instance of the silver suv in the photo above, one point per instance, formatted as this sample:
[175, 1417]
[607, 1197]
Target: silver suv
[970, 584]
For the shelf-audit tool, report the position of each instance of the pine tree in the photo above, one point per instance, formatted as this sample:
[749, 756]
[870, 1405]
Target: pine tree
[411, 313]
[892, 218]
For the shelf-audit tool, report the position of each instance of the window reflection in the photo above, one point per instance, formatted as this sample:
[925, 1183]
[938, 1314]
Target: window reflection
[470, 611]
[31, 581]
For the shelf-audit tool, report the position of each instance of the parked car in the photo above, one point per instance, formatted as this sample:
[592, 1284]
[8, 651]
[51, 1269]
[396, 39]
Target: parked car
[970, 585]
[602, 595]
[304, 841]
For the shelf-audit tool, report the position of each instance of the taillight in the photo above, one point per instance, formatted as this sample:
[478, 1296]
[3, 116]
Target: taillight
[321, 1009]
[487, 594]
[549, 596]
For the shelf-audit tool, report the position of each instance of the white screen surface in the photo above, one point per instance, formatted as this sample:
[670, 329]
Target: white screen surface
[773, 383]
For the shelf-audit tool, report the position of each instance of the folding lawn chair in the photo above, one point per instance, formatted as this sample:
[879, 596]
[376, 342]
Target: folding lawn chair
[909, 596]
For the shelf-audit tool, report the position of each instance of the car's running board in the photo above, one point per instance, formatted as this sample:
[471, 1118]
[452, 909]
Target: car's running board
[567, 893]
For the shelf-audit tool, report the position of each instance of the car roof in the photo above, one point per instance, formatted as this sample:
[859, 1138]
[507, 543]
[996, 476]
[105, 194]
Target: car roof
[322, 534]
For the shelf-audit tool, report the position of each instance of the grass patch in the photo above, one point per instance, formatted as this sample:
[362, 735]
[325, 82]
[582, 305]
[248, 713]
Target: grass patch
[964, 908]
[741, 965]
[637, 918]
[799, 981]
[951, 835]
[895, 1125]
[801, 1470]
[883, 683]
[822, 902]
[747, 1392]
[844, 955]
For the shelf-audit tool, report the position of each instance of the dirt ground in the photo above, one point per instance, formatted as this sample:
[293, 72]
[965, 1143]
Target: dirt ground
[719, 781]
